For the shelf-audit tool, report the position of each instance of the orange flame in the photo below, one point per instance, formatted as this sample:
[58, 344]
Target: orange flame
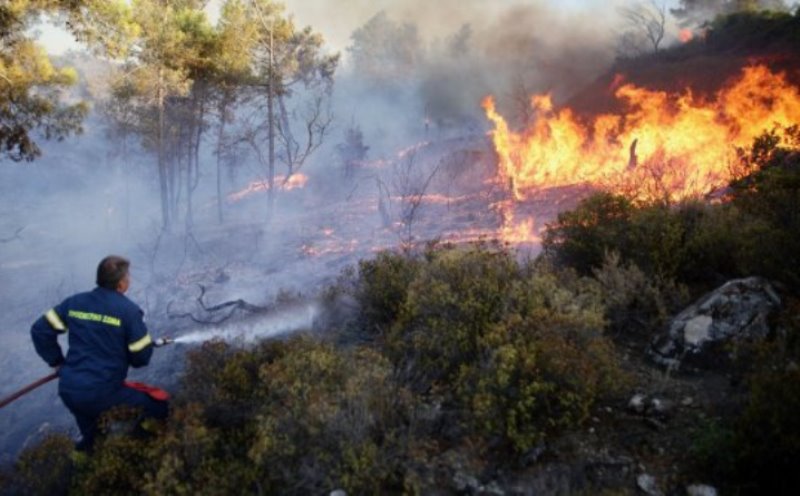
[686, 35]
[666, 146]
[295, 181]
[516, 232]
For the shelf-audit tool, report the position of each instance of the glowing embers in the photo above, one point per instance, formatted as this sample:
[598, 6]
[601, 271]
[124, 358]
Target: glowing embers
[664, 146]
[295, 181]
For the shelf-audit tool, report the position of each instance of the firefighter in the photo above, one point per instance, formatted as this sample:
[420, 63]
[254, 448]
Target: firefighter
[106, 335]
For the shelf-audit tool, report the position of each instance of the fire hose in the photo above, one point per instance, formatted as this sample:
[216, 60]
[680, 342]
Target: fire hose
[44, 380]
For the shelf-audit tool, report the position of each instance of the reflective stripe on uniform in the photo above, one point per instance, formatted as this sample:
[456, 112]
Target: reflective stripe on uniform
[140, 344]
[95, 317]
[55, 321]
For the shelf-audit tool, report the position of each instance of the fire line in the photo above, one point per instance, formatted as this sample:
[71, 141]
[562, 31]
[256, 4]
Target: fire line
[664, 146]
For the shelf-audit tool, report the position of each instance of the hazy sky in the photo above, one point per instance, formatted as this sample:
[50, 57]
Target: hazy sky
[336, 19]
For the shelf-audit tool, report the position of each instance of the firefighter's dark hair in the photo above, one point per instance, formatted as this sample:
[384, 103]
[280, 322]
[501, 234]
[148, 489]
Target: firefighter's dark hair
[111, 271]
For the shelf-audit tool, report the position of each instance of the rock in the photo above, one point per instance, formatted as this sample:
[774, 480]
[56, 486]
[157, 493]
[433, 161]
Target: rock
[465, 483]
[637, 403]
[697, 330]
[736, 312]
[647, 483]
[687, 401]
[338, 492]
[650, 406]
[660, 407]
[701, 490]
[494, 489]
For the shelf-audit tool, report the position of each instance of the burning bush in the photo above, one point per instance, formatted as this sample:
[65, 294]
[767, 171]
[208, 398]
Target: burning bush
[695, 243]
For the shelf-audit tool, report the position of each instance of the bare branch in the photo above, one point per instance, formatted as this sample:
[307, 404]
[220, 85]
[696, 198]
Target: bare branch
[648, 19]
[411, 188]
[316, 125]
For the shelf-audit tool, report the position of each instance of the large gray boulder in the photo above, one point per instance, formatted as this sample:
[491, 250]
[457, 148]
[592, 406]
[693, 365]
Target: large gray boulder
[707, 332]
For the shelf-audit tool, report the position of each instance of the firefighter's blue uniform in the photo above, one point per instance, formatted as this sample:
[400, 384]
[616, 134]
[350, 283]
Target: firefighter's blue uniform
[106, 334]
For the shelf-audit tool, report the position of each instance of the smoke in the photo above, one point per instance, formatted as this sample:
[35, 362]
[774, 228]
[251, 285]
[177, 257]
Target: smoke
[466, 50]
[337, 20]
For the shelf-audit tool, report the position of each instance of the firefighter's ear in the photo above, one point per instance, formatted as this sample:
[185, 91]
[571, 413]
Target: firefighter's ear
[124, 284]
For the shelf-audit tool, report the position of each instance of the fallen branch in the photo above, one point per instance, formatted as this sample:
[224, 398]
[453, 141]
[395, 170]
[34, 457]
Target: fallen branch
[232, 305]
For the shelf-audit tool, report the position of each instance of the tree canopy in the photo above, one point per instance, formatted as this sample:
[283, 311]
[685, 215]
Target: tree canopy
[31, 88]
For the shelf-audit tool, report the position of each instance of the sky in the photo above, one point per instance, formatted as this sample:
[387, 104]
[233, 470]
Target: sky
[337, 19]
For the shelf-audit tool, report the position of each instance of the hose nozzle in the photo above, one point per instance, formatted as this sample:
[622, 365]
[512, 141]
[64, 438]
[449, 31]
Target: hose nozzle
[158, 343]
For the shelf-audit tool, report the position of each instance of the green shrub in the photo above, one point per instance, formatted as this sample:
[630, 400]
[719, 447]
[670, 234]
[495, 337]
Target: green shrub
[454, 298]
[712, 244]
[580, 238]
[651, 236]
[43, 469]
[381, 289]
[714, 450]
[330, 419]
[768, 434]
[284, 417]
[515, 353]
[771, 195]
[756, 452]
[118, 465]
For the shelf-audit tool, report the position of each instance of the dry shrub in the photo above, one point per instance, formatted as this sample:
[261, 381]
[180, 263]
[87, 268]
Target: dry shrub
[635, 303]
